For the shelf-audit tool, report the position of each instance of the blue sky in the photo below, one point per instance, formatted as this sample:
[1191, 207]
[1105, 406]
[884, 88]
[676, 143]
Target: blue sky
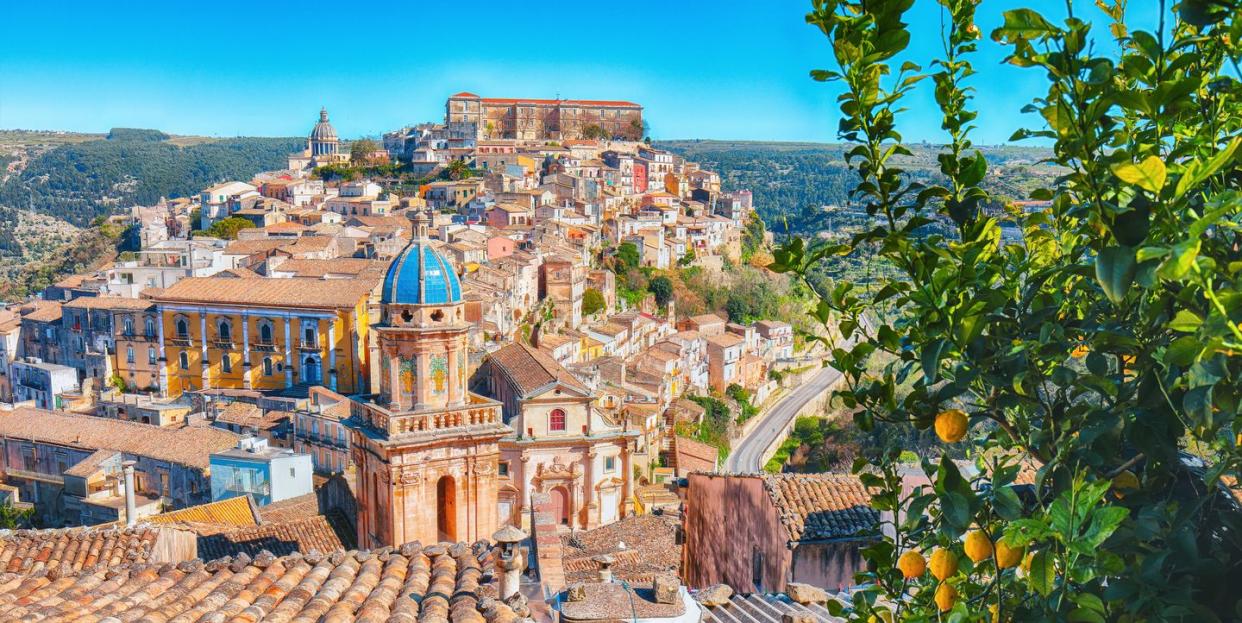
[724, 69]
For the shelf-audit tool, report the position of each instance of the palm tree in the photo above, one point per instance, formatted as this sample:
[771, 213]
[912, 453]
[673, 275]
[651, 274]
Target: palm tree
[458, 170]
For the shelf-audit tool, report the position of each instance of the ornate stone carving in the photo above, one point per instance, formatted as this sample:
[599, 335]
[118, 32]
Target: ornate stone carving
[411, 476]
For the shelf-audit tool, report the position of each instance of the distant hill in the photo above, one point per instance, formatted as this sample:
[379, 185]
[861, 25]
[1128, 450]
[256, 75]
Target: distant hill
[79, 181]
[792, 180]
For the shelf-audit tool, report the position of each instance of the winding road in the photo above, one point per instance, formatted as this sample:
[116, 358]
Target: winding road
[747, 454]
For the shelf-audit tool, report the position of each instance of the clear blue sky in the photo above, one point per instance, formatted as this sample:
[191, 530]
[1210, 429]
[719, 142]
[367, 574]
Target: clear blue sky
[723, 69]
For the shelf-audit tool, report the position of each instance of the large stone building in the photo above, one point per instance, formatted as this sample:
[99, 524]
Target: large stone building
[323, 140]
[426, 449]
[542, 119]
[259, 333]
[561, 444]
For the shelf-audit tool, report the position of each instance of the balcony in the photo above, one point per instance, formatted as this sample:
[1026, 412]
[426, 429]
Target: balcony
[223, 343]
[308, 345]
[183, 341]
[264, 347]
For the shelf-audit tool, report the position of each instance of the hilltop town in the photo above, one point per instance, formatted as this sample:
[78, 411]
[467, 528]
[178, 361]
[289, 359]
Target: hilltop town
[431, 338]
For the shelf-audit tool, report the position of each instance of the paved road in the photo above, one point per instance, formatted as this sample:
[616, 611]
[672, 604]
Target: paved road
[748, 452]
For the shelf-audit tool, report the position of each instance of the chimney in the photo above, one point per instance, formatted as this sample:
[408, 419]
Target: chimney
[509, 560]
[605, 567]
[131, 507]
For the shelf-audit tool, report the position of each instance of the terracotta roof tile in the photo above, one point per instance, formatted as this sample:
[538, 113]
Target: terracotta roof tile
[318, 533]
[187, 446]
[233, 512]
[531, 370]
[296, 292]
[407, 584]
[74, 549]
[821, 506]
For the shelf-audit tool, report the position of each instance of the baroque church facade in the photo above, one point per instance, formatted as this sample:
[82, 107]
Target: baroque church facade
[437, 462]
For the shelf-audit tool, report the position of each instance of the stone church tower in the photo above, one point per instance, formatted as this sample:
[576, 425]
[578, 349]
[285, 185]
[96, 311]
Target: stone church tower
[425, 448]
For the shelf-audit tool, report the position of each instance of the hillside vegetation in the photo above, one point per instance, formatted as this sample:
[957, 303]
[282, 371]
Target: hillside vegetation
[80, 181]
[792, 181]
[56, 187]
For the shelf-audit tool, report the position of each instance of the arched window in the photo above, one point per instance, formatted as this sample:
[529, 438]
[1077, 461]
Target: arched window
[556, 420]
[265, 332]
[129, 354]
[267, 366]
[226, 363]
[151, 355]
[129, 325]
[183, 328]
[184, 360]
[226, 331]
[150, 327]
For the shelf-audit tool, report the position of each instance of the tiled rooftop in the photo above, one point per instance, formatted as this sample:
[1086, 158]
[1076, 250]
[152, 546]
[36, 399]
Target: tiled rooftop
[318, 533]
[412, 583]
[188, 446]
[73, 549]
[531, 369]
[293, 292]
[821, 506]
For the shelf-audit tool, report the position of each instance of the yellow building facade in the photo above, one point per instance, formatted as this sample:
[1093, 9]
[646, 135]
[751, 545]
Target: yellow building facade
[264, 334]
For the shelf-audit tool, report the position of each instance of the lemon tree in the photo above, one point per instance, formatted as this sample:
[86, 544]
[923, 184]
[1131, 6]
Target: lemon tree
[1089, 369]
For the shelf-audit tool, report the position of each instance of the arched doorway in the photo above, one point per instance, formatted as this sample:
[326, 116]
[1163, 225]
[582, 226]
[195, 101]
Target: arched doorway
[446, 509]
[560, 505]
[310, 370]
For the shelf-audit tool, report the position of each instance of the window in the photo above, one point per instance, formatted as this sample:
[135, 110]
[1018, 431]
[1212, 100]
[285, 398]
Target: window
[265, 334]
[128, 323]
[184, 360]
[610, 464]
[226, 331]
[502, 468]
[129, 354]
[149, 329]
[308, 335]
[183, 328]
[267, 366]
[151, 355]
[556, 421]
[226, 363]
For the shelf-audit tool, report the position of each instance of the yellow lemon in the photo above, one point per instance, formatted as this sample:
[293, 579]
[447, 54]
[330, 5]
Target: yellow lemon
[1007, 556]
[1080, 351]
[978, 547]
[945, 597]
[951, 425]
[943, 563]
[911, 564]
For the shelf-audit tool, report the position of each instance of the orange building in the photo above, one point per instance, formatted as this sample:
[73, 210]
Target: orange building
[263, 333]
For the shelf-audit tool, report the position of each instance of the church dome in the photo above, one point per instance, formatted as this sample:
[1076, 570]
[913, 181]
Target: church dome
[421, 276]
[323, 130]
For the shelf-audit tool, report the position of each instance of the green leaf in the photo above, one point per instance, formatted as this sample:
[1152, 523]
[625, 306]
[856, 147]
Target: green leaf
[1022, 24]
[1182, 351]
[1185, 321]
[1114, 269]
[1197, 171]
[1104, 521]
[932, 353]
[1148, 174]
[1177, 265]
[1082, 615]
[1043, 574]
[973, 172]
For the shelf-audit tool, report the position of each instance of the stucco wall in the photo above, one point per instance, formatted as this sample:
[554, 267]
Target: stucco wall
[729, 521]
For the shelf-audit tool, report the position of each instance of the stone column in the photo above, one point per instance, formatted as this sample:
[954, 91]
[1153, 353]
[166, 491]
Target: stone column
[626, 477]
[588, 486]
[332, 353]
[163, 357]
[524, 485]
[202, 334]
[245, 318]
[288, 348]
[509, 560]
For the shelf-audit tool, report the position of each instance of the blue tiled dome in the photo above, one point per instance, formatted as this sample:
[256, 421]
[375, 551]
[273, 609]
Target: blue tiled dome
[420, 276]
